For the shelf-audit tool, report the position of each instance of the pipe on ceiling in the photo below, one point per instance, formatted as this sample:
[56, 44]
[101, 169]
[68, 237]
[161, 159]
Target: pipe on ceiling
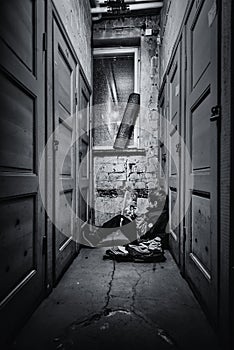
[103, 2]
[97, 17]
[132, 7]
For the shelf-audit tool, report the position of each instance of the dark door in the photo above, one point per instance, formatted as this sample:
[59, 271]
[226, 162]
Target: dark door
[21, 144]
[174, 146]
[201, 139]
[65, 151]
[84, 194]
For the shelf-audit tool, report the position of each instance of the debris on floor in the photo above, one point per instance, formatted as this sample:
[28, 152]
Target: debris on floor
[141, 251]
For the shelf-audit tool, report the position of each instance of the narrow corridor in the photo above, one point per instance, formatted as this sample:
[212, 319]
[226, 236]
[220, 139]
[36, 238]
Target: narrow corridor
[116, 127]
[100, 304]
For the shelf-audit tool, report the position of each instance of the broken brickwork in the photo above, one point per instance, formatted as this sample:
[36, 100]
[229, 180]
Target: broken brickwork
[116, 174]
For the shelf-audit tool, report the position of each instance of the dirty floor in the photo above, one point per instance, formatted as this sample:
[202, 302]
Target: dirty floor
[106, 305]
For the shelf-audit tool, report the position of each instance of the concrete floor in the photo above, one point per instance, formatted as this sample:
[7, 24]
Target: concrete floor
[106, 305]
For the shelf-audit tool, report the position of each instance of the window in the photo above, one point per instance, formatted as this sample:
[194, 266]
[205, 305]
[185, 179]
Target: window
[115, 73]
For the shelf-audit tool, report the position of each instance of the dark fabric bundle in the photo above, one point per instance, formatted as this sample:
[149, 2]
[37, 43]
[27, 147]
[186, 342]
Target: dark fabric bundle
[128, 122]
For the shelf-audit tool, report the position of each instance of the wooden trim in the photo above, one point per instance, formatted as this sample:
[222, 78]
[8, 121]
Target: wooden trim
[49, 156]
[226, 165]
[232, 183]
[115, 152]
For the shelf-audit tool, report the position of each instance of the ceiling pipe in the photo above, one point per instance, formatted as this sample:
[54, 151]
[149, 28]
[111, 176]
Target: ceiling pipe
[132, 7]
[97, 17]
[103, 2]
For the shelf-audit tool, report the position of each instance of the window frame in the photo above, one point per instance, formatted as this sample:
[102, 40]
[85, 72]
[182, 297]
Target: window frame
[136, 58]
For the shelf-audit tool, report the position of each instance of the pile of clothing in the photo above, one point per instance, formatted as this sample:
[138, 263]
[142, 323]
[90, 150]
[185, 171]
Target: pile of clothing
[141, 251]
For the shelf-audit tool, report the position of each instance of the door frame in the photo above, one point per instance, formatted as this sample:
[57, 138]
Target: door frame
[210, 180]
[226, 93]
[67, 250]
[225, 15]
[174, 181]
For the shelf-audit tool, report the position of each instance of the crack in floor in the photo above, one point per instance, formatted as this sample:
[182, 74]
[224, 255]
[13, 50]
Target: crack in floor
[66, 341]
[108, 295]
[134, 290]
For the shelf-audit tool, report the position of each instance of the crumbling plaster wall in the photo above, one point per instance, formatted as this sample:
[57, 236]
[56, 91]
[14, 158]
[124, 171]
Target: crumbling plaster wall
[172, 15]
[115, 173]
[76, 17]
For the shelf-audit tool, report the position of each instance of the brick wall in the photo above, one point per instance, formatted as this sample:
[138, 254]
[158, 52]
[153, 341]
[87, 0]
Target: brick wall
[114, 173]
[76, 17]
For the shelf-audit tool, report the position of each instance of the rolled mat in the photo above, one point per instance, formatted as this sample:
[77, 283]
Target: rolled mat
[128, 122]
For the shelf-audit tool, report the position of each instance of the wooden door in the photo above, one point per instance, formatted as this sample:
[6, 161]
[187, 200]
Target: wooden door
[84, 192]
[201, 139]
[65, 151]
[21, 144]
[174, 145]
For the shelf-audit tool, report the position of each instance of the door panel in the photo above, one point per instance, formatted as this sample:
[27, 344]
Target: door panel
[174, 126]
[201, 135]
[18, 154]
[21, 144]
[200, 125]
[65, 150]
[20, 36]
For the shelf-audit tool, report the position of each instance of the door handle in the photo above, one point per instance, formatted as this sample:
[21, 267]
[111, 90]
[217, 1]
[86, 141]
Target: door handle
[80, 156]
[56, 145]
[178, 147]
[215, 113]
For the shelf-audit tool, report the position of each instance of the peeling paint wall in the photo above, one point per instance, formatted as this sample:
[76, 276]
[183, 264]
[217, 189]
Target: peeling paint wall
[115, 173]
[76, 17]
[172, 15]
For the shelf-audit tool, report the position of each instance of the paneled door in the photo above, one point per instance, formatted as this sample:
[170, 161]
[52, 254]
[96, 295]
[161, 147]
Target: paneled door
[21, 145]
[174, 148]
[201, 139]
[84, 188]
[64, 151]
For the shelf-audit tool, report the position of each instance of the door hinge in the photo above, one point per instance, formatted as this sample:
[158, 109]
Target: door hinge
[186, 62]
[178, 147]
[56, 145]
[44, 245]
[184, 234]
[215, 113]
[44, 42]
[76, 97]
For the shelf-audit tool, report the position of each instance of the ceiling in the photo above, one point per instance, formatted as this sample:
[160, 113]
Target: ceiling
[100, 8]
